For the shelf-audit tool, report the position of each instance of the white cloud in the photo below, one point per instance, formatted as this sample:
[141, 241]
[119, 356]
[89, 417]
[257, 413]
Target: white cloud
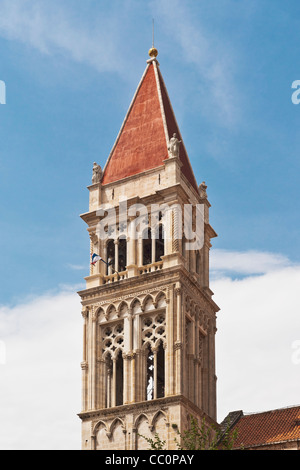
[248, 262]
[258, 326]
[213, 60]
[40, 381]
[54, 29]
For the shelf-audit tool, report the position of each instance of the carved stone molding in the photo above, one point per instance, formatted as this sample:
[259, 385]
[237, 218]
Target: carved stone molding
[85, 313]
[93, 237]
[178, 346]
[178, 291]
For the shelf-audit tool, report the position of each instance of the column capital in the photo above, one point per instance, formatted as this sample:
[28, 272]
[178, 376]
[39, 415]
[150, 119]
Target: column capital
[178, 291]
[85, 313]
[178, 345]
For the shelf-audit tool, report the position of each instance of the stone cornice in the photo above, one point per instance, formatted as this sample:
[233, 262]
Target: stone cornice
[156, 281]
[144, 406]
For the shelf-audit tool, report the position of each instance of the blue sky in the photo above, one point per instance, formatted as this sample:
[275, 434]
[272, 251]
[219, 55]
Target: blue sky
[70, 73]
[71, 69]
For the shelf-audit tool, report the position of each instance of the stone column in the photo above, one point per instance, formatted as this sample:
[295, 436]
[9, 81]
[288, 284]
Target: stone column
[140, 251]
[153, 247]
[133, 378]
[131, 250]
[154, 350]
[205, 374]
[179, 343]
[212, 372]
[102, 384]
[84, 364]
[93, 360]
[114, 376]
[169, 357]
[116, 255]
[126, 365]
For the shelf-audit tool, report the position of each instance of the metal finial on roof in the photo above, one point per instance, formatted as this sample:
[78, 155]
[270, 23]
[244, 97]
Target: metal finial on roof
[153, 51]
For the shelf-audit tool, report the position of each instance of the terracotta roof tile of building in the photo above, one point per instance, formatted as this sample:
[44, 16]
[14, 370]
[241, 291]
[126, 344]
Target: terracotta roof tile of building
[142, 143]
[267, 427]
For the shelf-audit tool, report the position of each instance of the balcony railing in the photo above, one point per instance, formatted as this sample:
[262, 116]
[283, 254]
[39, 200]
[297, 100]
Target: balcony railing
[115, 277]
[150, 268]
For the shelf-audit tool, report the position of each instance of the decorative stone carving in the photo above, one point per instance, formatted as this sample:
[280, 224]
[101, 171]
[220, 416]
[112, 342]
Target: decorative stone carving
[85, 313]
[113, 339]
[154, 330]
[93, 237]
[202, 190]
[97, 173]
[178, 346]
[173, 146]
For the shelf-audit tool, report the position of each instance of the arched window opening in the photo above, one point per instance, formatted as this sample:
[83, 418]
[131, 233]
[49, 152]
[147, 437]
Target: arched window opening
[122, 254]
[150, 375]
[110, 256]
[108, 373]
[147, 247]
[160, 371]
[119, 379]
[159, 243]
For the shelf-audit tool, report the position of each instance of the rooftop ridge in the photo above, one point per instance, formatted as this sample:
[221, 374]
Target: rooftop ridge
[250, 413]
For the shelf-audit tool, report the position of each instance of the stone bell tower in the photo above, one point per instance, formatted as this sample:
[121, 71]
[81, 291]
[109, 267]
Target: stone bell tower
[149, 318]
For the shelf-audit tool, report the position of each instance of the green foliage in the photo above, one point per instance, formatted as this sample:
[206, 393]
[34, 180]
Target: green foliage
[156, 443]
[197, 437]
[205, 437]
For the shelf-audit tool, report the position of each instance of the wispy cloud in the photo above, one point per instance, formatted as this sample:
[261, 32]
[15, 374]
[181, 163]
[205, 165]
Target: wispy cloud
[76, 267]
[213, 60]
[52, 28]
[224, 262]
[40, 380]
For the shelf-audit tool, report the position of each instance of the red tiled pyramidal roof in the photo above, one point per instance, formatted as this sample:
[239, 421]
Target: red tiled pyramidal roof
[268, 427]
[142, 143]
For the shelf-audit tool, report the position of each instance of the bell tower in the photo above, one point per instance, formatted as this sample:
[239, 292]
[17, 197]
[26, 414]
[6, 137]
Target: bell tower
[148, 313]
